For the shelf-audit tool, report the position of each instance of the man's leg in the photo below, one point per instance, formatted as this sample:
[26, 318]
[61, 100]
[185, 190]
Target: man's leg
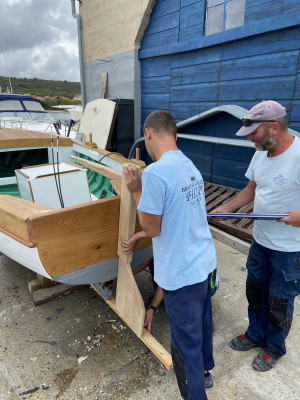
[257, 289]
[284, 287]
[184, 308]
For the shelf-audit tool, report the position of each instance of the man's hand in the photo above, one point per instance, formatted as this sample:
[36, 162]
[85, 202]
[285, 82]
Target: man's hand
[133, 178]
[128, 245]
[148, 319]
[293, 219]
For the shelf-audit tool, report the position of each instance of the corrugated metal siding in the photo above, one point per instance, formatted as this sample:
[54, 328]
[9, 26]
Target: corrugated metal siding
[241, 72]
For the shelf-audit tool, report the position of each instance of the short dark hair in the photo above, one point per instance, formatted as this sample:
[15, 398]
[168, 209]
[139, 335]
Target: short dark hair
[161, 122]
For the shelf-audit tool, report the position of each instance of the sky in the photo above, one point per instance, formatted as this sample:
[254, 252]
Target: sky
[38, 39]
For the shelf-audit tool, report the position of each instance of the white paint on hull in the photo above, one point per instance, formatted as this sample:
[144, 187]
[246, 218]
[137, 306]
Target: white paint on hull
[27, 256]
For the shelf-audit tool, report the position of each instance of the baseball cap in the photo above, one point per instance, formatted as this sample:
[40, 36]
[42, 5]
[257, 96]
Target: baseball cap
[265, 111]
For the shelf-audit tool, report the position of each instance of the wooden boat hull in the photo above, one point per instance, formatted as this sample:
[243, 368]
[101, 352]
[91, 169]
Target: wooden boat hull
[76, 244]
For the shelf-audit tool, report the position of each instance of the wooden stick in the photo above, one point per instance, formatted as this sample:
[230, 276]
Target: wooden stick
[129, 302]
[101, 169]
[157, 349]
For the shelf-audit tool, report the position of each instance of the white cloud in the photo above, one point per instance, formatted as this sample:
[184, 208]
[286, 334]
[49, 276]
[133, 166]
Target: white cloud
[38, 39]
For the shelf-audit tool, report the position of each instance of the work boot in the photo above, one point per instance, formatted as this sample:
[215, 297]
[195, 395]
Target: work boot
[242, 343]
[209, 381]
[264, 362]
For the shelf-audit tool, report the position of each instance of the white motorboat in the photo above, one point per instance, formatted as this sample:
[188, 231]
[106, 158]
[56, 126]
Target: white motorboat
[24, 112]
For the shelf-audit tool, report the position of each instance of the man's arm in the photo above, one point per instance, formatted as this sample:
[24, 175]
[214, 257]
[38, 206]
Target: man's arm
[150, 223]
[244, 197]
[293, 219]
[157, 299]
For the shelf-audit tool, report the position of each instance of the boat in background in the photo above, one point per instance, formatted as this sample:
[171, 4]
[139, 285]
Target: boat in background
[24, 112]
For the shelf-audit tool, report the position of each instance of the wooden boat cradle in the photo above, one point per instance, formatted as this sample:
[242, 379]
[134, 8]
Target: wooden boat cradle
[82, 235]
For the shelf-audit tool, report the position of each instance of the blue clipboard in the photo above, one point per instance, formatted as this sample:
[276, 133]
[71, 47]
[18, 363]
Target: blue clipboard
[247, 216]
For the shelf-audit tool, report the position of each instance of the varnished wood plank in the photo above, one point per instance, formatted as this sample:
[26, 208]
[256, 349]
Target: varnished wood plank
[13, 217]
[129, 302]
[100, 169]
[10, 137]
[78, 236]
[116, 185]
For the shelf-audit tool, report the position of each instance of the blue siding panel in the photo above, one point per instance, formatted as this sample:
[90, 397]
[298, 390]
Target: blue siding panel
[290, 6]
[195, 74]
[184, 110]
[202, 56]
[158, 84]
[295, 114]
[259, 10]
[161, 38]
[200, 73]
[191, 32]
[158, 66]
[192, 15]
[196, 92]
[162, 24]
[283, 63]
[297, 87]
[258, 89]
[165, 7]
[185, 3]
[274, 42]
[158, 101]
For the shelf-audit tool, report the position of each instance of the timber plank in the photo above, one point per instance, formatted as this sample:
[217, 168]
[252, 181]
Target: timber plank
[41, 295]
[157, 349]
[129, 301]
[100, 169]
[14, 213]
[10, 138]
[79, 235]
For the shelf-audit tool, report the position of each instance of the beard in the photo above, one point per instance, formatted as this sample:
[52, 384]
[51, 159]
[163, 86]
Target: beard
[267, 142]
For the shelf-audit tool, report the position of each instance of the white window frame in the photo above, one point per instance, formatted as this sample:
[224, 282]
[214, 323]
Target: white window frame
[223, 3]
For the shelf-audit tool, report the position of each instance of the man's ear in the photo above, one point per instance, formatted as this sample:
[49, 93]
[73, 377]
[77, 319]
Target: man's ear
[275, 127]
[147, 133]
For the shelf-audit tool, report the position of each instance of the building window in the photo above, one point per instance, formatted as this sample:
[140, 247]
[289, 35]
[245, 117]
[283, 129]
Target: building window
[222, 15]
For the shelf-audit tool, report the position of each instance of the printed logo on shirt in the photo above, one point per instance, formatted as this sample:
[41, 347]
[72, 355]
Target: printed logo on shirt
[280, 179]
[193, 191]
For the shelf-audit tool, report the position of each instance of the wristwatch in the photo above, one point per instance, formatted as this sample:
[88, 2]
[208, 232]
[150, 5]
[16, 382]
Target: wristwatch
[155, 309]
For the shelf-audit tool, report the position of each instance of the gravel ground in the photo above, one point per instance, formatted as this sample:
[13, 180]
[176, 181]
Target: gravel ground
[76, 348]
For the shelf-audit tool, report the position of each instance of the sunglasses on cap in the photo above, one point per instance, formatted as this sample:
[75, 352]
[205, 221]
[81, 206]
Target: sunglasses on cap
[249, 122]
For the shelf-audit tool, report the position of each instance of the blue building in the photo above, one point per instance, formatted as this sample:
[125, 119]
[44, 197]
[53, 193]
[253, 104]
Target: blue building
[189, 56]
[196, 55]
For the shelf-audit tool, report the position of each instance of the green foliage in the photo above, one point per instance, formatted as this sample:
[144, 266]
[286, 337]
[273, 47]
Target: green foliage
[41, 87]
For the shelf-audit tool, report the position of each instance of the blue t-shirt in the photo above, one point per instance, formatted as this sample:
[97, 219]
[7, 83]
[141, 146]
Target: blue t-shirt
[184, 253]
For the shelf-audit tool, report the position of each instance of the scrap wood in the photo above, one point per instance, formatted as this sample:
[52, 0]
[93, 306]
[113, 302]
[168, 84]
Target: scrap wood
[43, 294]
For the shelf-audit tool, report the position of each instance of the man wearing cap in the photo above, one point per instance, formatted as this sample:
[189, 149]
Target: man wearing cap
[273, 262]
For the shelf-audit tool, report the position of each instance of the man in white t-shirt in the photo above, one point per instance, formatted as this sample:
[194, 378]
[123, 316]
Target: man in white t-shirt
[273, 263]
[171, 210]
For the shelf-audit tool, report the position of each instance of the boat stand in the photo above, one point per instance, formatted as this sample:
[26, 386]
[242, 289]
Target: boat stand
[128, 303]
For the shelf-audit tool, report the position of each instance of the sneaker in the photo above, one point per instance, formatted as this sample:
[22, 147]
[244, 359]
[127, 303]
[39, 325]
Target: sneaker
[209, 381]
[264, 362]
[242, 343]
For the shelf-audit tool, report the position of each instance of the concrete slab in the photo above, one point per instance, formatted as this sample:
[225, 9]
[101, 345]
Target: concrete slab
[77, 348]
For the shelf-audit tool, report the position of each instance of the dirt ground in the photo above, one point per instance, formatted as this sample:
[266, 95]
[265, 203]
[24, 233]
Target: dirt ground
[76, 348]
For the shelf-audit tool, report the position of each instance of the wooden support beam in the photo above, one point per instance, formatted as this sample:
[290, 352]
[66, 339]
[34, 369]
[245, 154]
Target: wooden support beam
[101, 169]
[157, 349]
[128, 303]
[43, 294]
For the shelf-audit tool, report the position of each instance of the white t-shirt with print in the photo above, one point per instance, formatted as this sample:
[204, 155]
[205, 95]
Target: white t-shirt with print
[277, 191]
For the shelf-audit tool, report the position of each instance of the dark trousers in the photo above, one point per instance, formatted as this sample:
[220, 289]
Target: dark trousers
[273, 282]
[190, 316]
